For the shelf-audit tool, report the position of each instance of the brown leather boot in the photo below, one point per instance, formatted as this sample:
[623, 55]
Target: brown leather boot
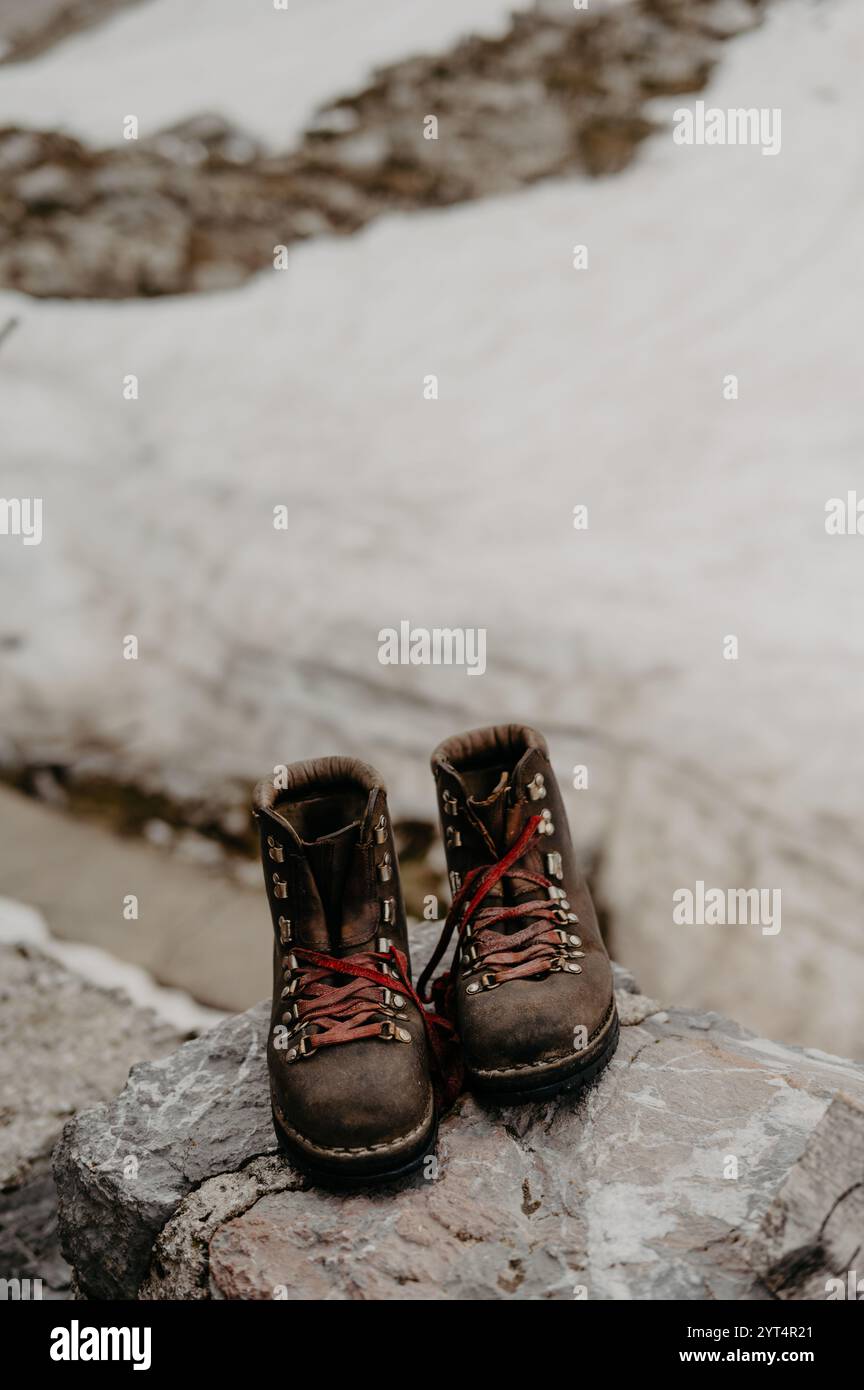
[531, 991]
[347, 1054]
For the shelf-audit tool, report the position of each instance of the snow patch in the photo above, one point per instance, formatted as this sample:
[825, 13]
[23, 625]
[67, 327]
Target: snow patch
[23, 925]
[165, 61]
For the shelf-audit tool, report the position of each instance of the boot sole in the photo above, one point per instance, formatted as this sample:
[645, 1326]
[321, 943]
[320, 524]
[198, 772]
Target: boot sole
[577, 1079]
[329, 1177]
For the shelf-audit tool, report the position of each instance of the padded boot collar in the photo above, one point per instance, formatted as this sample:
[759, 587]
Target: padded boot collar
[337, 889]
[499, 745]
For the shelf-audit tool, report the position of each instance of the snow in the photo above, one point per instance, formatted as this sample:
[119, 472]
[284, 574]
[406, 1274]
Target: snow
[266, 69]
[557, 387]
[24, 926]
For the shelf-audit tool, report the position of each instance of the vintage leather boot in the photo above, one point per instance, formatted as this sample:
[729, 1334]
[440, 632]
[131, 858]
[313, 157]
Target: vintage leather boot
[347, 1052]
[531, 989]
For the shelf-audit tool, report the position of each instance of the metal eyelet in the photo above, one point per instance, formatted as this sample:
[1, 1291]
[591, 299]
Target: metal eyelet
[554, 866]
[546, 827]
[568, 943]
[285, 931]
[486, 981]
[385, 869]
[555, 893]
[304, 1048]
[390, 1033]
[468, 960]
[380, 832]
[280, 887]
[452, 837]
[451, 805]
[537, 787]
[455, 881]
[275, 850]
[388, 912]
[382, 946]
[572, 967]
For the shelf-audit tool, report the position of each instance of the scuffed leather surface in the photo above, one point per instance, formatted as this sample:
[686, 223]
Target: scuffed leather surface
[523, 1023]
[361, 1103]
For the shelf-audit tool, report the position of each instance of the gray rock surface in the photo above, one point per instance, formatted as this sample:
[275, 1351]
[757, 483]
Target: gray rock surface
[122, 1170]
[650, 1186]
[813, 1231]
[64, 1045]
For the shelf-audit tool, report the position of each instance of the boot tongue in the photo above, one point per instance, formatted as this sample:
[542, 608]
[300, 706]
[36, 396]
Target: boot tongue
[491, 812]
[504, 814]
[494, 814]
[521, 810]
[330, 860]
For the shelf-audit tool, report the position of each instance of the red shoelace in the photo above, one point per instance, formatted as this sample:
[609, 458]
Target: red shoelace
[344, 1013]
[497, 957]
[348, 1012]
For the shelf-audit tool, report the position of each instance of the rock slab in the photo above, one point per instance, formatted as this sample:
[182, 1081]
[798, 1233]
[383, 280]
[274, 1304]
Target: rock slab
[811, 1241]
[651, 1186]
[65, 1044]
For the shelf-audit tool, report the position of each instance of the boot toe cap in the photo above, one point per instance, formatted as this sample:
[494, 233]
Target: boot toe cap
[530, 1025]
[360, 1107]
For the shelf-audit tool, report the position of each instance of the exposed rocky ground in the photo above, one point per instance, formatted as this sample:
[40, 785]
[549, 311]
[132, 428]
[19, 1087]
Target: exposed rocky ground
[65, 1045]
[202, 206]
[29, 27]
[662, 1182]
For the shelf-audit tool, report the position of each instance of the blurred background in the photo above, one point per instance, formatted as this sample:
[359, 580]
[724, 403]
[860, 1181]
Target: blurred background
[231, 263]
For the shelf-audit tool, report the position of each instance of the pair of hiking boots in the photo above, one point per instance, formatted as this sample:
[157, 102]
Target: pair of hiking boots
[359, 1068]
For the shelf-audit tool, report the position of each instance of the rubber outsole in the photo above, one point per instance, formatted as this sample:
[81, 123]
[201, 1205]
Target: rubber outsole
[328, 1177]
[581, 1076]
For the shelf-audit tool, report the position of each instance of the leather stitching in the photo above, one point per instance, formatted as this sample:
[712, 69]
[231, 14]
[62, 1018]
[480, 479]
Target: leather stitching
[355, 1153]
[548, 1064]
